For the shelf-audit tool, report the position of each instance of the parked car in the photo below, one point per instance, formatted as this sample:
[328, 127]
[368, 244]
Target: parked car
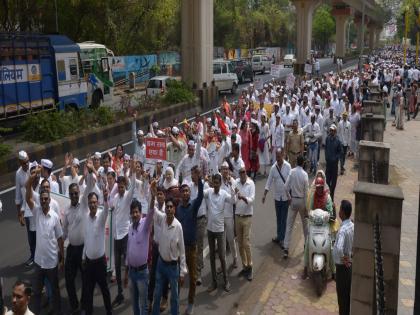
[243, 69]
[158, 85]
[289, 60]
[261, 63]
[224, 75]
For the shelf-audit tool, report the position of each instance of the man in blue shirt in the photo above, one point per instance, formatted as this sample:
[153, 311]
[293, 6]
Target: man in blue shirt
[333, 149]
[186, 213]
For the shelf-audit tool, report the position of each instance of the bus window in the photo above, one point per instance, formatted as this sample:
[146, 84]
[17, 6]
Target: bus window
[105, 64]
[216, 68]
[73, 68]
[224, 69]
[61, 70]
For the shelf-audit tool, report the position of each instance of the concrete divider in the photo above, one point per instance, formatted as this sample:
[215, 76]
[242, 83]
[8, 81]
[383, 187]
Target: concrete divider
[374, 162]
[372, 127]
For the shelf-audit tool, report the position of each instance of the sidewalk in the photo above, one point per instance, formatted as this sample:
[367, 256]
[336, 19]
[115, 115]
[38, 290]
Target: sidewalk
[280, 289]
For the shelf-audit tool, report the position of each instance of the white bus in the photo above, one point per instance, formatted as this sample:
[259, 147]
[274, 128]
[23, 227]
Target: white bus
[97, 71]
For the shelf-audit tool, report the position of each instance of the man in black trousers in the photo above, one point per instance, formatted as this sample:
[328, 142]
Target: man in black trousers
[333, 149]
[342, 254]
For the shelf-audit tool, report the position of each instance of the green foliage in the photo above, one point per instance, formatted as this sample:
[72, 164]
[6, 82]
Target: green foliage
[409, 7]
[104, 115]
[50, 126]
[178, 92]
[5, 149]
[323, 26]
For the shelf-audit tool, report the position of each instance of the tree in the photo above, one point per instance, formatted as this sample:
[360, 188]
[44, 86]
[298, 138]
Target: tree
[323, 27]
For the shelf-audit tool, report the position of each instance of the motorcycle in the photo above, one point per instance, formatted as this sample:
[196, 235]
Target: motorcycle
[319, 247]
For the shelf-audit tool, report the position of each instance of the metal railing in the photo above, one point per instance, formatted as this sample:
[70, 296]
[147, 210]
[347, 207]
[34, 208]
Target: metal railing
[378, 269]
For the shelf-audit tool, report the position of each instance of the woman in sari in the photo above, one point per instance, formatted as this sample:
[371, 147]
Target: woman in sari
[255, 135]
[245, 145]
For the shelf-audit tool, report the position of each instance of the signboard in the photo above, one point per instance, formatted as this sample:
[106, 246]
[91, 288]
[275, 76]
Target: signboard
[156, 148]
[19, 73]
[290, 81]
[258, 83]
[275, 71]
[308, 68]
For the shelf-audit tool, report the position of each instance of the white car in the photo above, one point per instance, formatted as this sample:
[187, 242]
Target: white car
[158, 85]
[289, 60]
[224, 75]
[261, 63]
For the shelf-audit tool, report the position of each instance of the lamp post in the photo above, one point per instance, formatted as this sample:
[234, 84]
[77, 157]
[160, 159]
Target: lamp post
[363, 29]
[56, 16]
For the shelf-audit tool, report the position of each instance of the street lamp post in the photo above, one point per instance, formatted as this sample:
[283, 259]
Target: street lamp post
[363, 29]
[56, 16]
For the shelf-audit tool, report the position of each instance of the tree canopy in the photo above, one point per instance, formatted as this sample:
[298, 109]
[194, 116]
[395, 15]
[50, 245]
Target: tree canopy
[145, 26]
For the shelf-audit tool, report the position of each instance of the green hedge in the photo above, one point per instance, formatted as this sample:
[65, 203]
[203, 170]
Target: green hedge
[178, 92]
[50, 126]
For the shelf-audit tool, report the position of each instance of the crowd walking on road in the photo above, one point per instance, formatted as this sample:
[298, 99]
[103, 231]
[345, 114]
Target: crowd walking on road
[157, 214]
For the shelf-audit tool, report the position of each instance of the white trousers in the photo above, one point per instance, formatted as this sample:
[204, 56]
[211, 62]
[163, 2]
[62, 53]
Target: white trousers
[297, 205]
[230, 236]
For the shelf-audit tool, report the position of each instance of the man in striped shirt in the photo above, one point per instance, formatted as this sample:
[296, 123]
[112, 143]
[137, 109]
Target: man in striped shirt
[342, 254]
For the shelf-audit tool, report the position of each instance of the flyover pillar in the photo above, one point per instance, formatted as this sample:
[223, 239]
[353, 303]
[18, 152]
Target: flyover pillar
[197, 42]
[341, 13]
[371, 37]
[304, 14]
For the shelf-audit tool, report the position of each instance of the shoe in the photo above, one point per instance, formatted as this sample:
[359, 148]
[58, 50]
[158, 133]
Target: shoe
[227, 286]
[119, 299]
[29, 262]
[250, 274]
[190, 309]
[285, 253]
[163, 304]
[212, 287]
[235, 263]
[342, 172]
[275, 240]
[198, 282]
[243, 272]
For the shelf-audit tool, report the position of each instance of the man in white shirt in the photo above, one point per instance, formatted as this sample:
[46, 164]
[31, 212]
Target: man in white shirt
[193, 157]
[171, 265]
[297, 186]
[227, 184]
[176, 147]
[121, 224]
[21, 295]
[22, 175]
[277, 179]
[73, 229]
[201, 220]
[46, 171]
[277, 136]
[74, 177]
[312, 133]
[344, 135]
[49, 252]
[215, 199]
[245, 188]
[138, 142]
[235, 161]
[94, 260]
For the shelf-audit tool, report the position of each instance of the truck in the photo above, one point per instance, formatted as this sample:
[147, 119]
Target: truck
[39, 73]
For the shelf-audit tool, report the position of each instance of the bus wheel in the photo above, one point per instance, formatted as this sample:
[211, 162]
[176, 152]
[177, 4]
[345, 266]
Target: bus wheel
[96, 99]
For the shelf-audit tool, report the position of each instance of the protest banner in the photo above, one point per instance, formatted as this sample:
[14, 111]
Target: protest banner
[275, 71]
[156, 148]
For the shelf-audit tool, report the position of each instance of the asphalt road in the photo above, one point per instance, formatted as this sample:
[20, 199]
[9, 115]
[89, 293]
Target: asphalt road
[14, 250]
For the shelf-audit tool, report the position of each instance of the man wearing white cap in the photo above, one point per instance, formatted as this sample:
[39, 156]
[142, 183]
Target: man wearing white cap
[176, 148]
[74, 177]
[193, 157]
[277, 136]
[335, 104]
[22, 175]
[46, 171]
[312, 133]
[138, 141]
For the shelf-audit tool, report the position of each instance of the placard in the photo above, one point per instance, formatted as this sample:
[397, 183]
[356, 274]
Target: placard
[290, 81]
[275, 71]
[308, 68]
[156, 148]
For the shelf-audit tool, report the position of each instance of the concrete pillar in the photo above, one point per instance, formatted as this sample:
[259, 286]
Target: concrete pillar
[373, 162]
[371, 37]
[340, 35]
[384, 201]
[359, 28]
[373, 127]
[197, 42]
[304, 15]
[377, 36]
[374, 107]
